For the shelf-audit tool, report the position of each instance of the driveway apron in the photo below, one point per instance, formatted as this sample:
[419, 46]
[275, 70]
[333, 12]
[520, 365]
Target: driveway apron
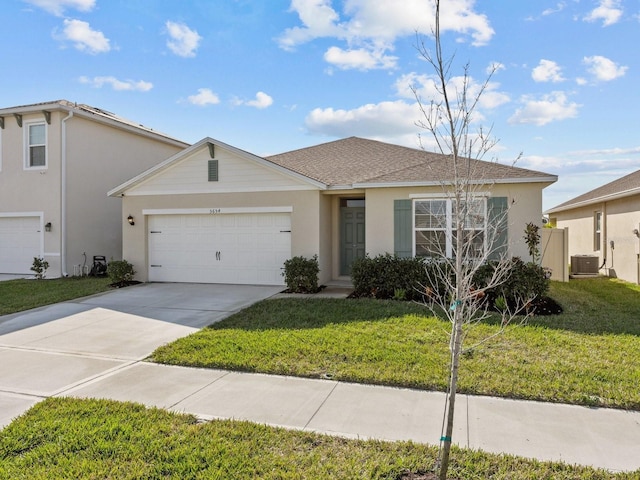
[54, 349]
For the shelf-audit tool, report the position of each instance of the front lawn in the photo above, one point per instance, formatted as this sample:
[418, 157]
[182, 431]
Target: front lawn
[66, 438]
[19, 295]
[587, 356]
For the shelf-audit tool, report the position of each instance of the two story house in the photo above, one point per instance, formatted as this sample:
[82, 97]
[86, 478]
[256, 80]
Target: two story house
[57, 162]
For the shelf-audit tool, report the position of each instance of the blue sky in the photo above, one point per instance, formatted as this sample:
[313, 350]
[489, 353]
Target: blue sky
[270, 76]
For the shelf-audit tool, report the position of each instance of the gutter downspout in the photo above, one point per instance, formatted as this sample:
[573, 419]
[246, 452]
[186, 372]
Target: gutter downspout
[63, 198]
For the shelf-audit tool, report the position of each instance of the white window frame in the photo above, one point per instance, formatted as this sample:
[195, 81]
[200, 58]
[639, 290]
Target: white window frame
[597, 230]
[449, 233]
[27, 145]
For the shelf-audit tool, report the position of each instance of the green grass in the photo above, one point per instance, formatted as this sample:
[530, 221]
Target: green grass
[583, 356]
[90, 439]
[19, 295]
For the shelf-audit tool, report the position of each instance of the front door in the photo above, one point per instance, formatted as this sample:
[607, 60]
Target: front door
[351, 237]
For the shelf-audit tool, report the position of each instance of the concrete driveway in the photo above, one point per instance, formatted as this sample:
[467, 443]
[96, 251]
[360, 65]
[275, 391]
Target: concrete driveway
[51, 350]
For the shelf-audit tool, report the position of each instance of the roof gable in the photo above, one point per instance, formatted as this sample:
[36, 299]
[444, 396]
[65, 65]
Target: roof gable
[92, 113]
[238, 171]
[358, 162]
[622, 187]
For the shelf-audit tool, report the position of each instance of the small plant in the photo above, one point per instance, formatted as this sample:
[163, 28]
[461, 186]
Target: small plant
[501, 303]
[532, 239]
[120, 271]
[301, 274]
[40, 266]
[400, 294]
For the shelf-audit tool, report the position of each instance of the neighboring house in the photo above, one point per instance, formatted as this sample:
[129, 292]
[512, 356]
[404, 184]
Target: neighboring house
[605, 223]
[214, 213]
[57, 162]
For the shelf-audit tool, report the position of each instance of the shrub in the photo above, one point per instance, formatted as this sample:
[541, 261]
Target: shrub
[525, 282]
[389, 276]
[120, 271]
[39, 267]
[301, 274]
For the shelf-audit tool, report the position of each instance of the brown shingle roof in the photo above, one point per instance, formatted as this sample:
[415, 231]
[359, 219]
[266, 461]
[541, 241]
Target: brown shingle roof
[356, 161]
[627, 185]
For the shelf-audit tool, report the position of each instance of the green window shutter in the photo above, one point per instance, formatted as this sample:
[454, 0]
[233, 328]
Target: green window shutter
[213, 170]
[402, 228]
[497, 212]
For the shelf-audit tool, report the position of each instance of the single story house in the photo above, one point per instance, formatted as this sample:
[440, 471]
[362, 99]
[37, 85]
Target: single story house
[213, 213]
[57, 160]
[604, 223]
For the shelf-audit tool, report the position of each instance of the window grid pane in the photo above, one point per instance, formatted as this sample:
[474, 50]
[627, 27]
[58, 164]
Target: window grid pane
[37, 157]
[435, 233]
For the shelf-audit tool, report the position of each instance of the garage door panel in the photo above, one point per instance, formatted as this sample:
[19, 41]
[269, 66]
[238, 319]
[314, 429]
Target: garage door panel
[235, 248]
[20, 242]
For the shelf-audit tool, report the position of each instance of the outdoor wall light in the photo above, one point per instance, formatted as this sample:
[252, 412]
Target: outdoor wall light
[636, 233]
[47, 227]
[130, 220]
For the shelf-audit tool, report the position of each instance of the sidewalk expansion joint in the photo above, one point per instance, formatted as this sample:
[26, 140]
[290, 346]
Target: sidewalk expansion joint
[306, 425]
[227, 372]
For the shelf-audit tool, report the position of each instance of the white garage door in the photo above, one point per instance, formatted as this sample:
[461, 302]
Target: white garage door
[19, 243]
[225, 248]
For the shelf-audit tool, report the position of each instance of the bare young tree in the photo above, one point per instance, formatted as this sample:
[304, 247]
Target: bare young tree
[476, 237]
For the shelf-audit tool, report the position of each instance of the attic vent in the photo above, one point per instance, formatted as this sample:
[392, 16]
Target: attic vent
[213, 170]
[584, 264]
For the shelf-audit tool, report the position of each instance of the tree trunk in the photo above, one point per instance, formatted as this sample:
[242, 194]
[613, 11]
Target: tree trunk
[453, 386]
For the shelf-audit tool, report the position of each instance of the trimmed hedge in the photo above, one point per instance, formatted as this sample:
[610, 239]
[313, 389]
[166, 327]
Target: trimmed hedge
[389, 276]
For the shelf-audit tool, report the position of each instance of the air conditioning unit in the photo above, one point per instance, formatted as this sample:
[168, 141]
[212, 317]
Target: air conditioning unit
[584, 264]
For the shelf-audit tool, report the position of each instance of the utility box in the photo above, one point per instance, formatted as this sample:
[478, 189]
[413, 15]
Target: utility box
[584, 264]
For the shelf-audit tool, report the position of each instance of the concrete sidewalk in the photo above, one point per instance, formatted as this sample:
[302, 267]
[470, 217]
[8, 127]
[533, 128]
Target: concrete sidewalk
[96, 348]
[601, 438]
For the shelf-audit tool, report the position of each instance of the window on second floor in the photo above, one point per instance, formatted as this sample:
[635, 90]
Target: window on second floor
[36, 145]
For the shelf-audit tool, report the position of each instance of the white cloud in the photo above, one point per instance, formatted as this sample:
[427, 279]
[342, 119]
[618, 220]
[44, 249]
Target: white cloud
[547, 71]
[551, 107]
[118, 85]
[603, 69]
[427, 89]
[84, 38]
[494, 67]
[261, 101]
[319, 20]
[359, 58]
[369, 29]
[608, 11]
[57, 7]
[382, 120]
[204, 97]
[558, 8]
[183, 41]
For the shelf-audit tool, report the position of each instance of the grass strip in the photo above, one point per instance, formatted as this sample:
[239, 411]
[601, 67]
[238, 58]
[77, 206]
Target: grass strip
[22, 294]
[397, 344]
[66, 438]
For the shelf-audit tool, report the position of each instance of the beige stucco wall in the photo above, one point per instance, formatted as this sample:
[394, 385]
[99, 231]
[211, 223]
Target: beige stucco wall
[33, 190]
[620, 218]
[525, 206]
[100, 157]
[306, 236]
